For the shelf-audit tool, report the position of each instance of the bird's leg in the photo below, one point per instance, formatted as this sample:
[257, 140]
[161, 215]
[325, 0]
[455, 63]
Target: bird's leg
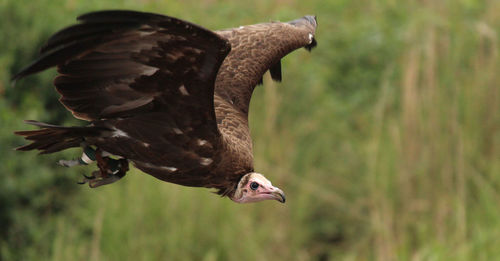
[110, 170]
[102, 164]
[88, 156]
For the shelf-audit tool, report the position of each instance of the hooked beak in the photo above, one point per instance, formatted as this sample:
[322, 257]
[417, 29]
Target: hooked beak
[279, 195]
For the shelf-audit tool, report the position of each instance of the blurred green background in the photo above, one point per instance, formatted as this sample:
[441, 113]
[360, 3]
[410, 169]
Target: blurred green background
[386, 140]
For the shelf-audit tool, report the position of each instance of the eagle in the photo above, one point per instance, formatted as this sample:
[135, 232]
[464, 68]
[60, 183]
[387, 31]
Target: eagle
[166, 95]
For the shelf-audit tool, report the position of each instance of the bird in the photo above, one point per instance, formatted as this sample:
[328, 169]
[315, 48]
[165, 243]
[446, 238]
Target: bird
[164, 94]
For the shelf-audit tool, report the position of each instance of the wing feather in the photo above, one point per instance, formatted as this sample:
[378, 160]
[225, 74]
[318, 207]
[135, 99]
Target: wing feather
[149, 80]
[255, 50]
[115, 62]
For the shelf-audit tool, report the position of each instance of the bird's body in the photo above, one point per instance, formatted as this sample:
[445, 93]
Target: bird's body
[167, 95]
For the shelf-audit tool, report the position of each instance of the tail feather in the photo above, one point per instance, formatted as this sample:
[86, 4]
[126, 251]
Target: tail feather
[53, 138]
[62, 146]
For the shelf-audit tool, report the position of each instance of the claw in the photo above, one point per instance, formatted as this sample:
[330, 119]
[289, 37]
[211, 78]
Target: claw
[97, 179]
[99, 182]
[89, 177]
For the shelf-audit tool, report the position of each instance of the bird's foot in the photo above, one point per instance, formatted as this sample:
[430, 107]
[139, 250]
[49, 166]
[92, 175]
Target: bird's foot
[110, 171]
[97, 179]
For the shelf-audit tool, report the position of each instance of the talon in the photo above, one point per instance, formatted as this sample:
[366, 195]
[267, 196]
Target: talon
[99, 182]
[89, 177]
[84, 181]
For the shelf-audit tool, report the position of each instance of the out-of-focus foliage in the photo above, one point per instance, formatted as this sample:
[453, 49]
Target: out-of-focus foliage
[386, 139]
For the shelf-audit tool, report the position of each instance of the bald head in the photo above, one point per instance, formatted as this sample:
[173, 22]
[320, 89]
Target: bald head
[254, 187]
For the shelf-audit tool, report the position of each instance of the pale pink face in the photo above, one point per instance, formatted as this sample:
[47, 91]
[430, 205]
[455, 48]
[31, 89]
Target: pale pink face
[254, 187]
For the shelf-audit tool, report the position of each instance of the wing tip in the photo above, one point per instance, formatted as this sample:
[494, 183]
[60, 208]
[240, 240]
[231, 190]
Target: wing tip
[23, 73]
[312, 45]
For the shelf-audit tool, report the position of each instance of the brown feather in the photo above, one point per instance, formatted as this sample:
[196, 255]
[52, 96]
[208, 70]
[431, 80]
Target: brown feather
[168, 95]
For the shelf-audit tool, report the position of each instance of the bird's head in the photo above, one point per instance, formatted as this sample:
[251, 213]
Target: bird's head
[254, 187]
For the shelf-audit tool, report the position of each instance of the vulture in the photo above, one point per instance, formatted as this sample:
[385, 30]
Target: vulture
[169, 96]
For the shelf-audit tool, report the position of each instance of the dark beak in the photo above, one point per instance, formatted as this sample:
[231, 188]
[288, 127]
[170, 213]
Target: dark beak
[279, 195]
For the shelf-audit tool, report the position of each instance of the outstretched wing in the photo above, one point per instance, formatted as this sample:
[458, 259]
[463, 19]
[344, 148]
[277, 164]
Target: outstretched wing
[149, 79]
[256, 49]
[120, 63]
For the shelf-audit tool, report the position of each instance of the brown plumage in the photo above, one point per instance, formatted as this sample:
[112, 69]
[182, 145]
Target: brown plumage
[167, 95]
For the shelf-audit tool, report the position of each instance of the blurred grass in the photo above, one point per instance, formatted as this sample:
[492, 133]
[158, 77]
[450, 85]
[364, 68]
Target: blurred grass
[385, 138]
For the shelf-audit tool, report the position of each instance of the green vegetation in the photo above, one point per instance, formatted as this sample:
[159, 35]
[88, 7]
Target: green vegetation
[386, 139]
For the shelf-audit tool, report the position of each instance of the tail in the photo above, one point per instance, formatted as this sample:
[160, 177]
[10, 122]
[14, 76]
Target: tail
[52, 138]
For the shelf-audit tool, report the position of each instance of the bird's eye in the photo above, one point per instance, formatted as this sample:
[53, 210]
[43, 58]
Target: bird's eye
[254, 185]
